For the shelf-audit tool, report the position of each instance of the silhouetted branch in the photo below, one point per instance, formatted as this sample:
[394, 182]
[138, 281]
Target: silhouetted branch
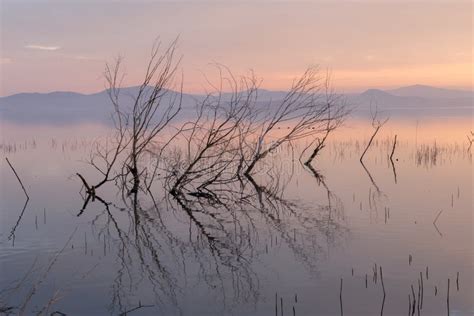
[377, 125]
[434, 223]
[18, 178]
[391, 159]
[137, 126]
[135, 308]
[310, 106]
[12, 232]
[471, 140]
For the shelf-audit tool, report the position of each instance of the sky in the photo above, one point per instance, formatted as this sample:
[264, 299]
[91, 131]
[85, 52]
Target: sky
[64, 45]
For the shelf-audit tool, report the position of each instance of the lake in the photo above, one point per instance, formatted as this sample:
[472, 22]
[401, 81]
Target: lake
[351, 239]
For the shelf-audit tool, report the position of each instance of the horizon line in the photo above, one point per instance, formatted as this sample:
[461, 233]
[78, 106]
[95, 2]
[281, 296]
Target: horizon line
[353, 91]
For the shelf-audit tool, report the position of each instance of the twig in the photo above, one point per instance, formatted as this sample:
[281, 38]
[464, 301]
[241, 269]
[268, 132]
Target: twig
[377, 124]
[391, 159]
[393, 148]
[135, 308]
[434, 223]
[370, 143]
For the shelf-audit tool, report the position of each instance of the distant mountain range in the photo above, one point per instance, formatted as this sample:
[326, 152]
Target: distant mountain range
[68, 107]
[430, 92]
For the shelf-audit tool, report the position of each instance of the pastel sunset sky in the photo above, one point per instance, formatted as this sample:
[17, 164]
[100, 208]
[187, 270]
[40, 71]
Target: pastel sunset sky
[63, 45]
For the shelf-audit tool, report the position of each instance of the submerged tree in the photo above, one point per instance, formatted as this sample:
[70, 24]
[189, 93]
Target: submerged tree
[137, 123]
[227, 140]
[207, 171]
[309, 108]
[234, 131]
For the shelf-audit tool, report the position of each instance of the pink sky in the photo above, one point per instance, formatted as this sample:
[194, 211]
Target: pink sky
[49, 45]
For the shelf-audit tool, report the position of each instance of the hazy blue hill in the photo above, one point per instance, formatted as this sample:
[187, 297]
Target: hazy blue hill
[410, 105]
[69, 107]
[267, 95]
[41, 99]
[384, 99]
[430, 92]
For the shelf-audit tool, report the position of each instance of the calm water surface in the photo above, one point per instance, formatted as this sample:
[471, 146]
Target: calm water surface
[287, 253]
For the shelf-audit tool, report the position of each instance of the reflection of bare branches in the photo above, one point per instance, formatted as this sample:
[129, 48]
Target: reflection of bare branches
[318, 176]
[377, 125]
[370, 177]
[434, 223]
[5, 294]
[88, 198]
[135, 308]
[40, 280]
[53, 300]
[12, 233]
[391, 158]
[225, 227]
[321, 181]
[140, 249]
[35, 286]
[306, 223]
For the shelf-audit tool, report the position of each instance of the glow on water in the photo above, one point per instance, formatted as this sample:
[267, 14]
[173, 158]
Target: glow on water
[420, 221]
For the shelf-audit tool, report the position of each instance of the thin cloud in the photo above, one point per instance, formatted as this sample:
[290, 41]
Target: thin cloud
[42, 47]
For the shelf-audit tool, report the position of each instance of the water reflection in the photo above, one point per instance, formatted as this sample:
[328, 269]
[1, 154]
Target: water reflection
[232, 250]
[220, 234]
